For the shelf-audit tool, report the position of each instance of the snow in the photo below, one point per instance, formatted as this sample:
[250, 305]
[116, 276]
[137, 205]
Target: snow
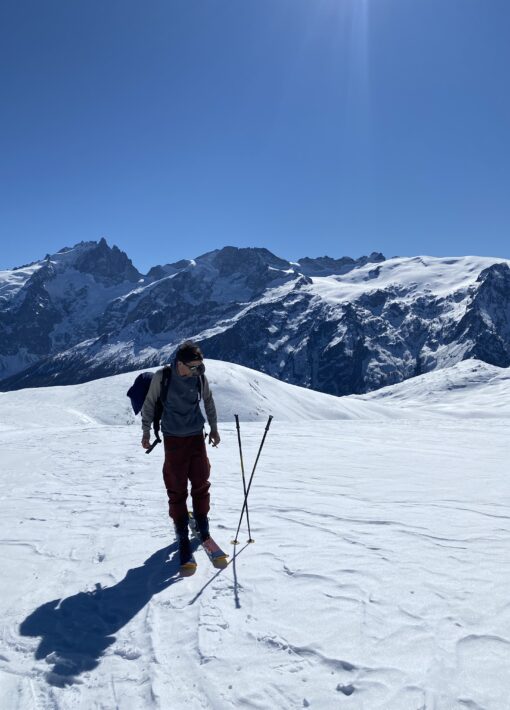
[439, 276]
[238, 390]
[12, 281]
[379, 578]
[471, 388]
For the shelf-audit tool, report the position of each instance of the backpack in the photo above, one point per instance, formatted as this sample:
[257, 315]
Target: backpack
[138, 392]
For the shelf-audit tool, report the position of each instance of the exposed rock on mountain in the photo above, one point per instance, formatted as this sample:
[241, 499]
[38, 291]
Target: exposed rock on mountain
[105, 264]
[326, 266]
[340, 326]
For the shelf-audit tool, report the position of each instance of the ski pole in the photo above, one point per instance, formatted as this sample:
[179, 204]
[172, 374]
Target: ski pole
[244, 479]
[235, 541]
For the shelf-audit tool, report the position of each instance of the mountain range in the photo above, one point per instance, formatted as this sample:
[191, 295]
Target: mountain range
[340, 326]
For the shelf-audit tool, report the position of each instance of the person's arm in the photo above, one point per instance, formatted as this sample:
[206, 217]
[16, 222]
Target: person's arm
[149, 406]
[210, 410]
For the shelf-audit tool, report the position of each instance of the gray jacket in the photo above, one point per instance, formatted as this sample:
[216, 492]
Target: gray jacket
[181, 411]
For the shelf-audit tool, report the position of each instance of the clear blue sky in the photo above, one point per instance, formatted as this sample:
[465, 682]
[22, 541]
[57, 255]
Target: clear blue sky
[310, 127]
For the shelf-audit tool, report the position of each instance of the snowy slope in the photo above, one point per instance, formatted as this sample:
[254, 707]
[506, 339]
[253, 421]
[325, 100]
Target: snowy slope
[378, 580]
[55, 303]
[438, 276]
[237, 390]
[469, 388]
[12, 281]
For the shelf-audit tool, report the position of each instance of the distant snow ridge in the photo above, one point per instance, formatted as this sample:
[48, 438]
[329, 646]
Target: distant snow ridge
[340, 326]
[466, 390]
[470, 389]
[237, 390]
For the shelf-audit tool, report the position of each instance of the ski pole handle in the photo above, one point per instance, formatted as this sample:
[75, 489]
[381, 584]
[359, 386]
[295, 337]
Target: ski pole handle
[154, 443]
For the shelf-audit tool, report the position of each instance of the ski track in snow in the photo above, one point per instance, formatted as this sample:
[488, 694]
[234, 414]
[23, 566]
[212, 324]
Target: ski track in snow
[378, 580]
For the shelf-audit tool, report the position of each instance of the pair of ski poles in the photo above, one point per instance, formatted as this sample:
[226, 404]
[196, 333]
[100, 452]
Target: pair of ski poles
[246, 490]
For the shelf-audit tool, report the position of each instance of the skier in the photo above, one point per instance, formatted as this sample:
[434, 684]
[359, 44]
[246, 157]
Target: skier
[182, 425]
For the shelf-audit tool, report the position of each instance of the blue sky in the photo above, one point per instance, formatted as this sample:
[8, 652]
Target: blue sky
[310, 127]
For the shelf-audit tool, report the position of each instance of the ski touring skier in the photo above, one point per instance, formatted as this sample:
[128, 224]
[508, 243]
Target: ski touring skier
[182, 425]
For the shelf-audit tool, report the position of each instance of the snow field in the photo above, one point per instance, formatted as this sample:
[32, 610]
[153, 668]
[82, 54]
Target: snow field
[378, 579]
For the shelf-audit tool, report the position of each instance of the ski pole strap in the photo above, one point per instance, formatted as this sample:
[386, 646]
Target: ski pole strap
[156, 441]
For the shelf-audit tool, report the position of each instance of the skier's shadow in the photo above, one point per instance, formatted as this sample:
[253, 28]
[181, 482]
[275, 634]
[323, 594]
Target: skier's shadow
[76, 631]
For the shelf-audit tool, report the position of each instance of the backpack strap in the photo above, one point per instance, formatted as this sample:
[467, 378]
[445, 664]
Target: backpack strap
[165, 383]
[200, 386]
[163, 392]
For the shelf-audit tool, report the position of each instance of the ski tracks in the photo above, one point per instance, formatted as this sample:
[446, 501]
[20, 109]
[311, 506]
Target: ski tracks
[364, 590]
[187, 638]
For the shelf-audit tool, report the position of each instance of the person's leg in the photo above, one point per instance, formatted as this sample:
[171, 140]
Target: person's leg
[199, 478]
[175, 475]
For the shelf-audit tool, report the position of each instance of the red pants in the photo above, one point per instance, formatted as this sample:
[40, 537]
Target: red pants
[186, 460]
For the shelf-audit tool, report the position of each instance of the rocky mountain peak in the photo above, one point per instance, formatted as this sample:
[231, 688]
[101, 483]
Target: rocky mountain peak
[496, 276]
[106, 263]
[327, 266]
[230, 260]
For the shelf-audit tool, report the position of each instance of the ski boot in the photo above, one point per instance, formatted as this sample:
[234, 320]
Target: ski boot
[185, 553]
[202, 522]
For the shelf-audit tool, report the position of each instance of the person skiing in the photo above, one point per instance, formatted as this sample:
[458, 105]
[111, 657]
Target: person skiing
[182, 424]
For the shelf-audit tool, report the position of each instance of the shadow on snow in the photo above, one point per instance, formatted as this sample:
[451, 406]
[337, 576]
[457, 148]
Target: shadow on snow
[76, 631]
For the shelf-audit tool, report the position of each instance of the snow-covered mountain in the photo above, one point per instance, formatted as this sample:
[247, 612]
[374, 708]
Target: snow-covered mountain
[50, 305]
[378, 581]
[339, 326]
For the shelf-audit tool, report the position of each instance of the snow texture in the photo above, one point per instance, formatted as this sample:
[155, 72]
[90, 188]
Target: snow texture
[379, 578]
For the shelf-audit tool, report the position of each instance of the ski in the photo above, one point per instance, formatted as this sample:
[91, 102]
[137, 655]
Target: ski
[213, 551]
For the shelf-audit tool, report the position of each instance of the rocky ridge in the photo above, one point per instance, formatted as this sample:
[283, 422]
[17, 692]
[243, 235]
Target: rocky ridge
[339, 326]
